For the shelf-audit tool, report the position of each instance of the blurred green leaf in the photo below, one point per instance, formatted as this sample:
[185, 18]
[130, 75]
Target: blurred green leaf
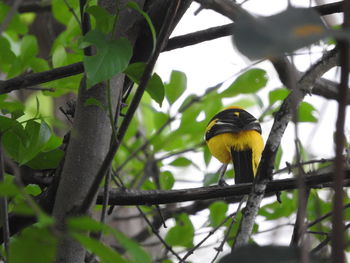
[61, 11]
[104, 21]
[38, 135]
[9, 105]
[105, 253]
[167, 180]
[29, 47]
[136, 7]
[8, 188]
[33, 189]
[46, 160]
[278, 158]
[176, 86]
[277, 94]
[15, 25]
[133, 249]
[249, 82]
[206, 155]
[276, 210]
[306, 112]
[210, 178]
[38, 64]
[155, 89]
[24, 144]
[182, 233]
[85, 223]
[6, 54]
[112, 57]
[94, 102]
[155, 86]
[217, 213]
[181, 162]
[33, 243]
[59, 57]
[6, 123]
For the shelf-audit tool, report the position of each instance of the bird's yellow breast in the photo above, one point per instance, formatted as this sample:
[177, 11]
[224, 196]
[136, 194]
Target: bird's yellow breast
[220, 145]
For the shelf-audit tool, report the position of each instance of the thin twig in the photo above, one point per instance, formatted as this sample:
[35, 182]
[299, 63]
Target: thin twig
[338, 238]
[234, 218]
[4, 209]
[211, 232]
[318, 220]
[6, 21]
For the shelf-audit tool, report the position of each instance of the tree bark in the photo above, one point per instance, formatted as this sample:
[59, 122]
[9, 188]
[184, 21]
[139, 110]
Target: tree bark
[89, 143]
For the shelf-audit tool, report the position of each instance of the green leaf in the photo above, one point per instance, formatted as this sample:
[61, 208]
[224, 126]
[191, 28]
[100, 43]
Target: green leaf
[61, 11]
[29, 47]
[59, 57]
[8, 188]
[135, 70]
[177, 85]
[53, 143]
[112, 57]
[104, 21]
[181, 162]
[46, 160]
[33, 189]
[155, 89]
[12, 142]
[38, 134]
[134, 250]
[33, 243]
[136, 7]
[6, 123]
[167, 180]
[306, 112]
[94, 102]
[85, 223]
[217, 213]
[105, 253]
[6, 54]
[24, 144]
[210, 178]
[277, 94]
[155, 86]
[276, 210]
[250, 81]
[206, 155]
[10, 106]
[278, 158]
[15, 25]
[38, 64]
[182, 233]
[285, 32]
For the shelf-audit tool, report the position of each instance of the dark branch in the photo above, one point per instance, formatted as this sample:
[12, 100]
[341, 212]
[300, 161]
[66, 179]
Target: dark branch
[133, 197]
[32, 79]
[199, 37]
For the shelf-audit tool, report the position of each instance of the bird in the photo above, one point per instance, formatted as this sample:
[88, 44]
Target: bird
[234, 135]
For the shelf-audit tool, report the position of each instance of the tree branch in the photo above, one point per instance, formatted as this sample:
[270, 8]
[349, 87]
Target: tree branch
[282, 118]
[32, 79]
[135, 197]
[338, 238]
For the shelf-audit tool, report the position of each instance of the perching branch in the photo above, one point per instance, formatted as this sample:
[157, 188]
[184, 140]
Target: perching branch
[282, 118]
[338, 238]
[136, 197]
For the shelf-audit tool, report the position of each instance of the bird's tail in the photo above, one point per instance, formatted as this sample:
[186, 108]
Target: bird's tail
[243, 166]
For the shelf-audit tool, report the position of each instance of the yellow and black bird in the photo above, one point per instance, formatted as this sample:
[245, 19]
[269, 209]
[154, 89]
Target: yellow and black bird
[235, 135]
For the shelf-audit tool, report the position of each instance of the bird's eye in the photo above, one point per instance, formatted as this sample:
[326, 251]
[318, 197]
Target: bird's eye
[236, 113]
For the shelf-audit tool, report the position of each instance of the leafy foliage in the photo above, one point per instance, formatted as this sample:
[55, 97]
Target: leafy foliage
[164, 143]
